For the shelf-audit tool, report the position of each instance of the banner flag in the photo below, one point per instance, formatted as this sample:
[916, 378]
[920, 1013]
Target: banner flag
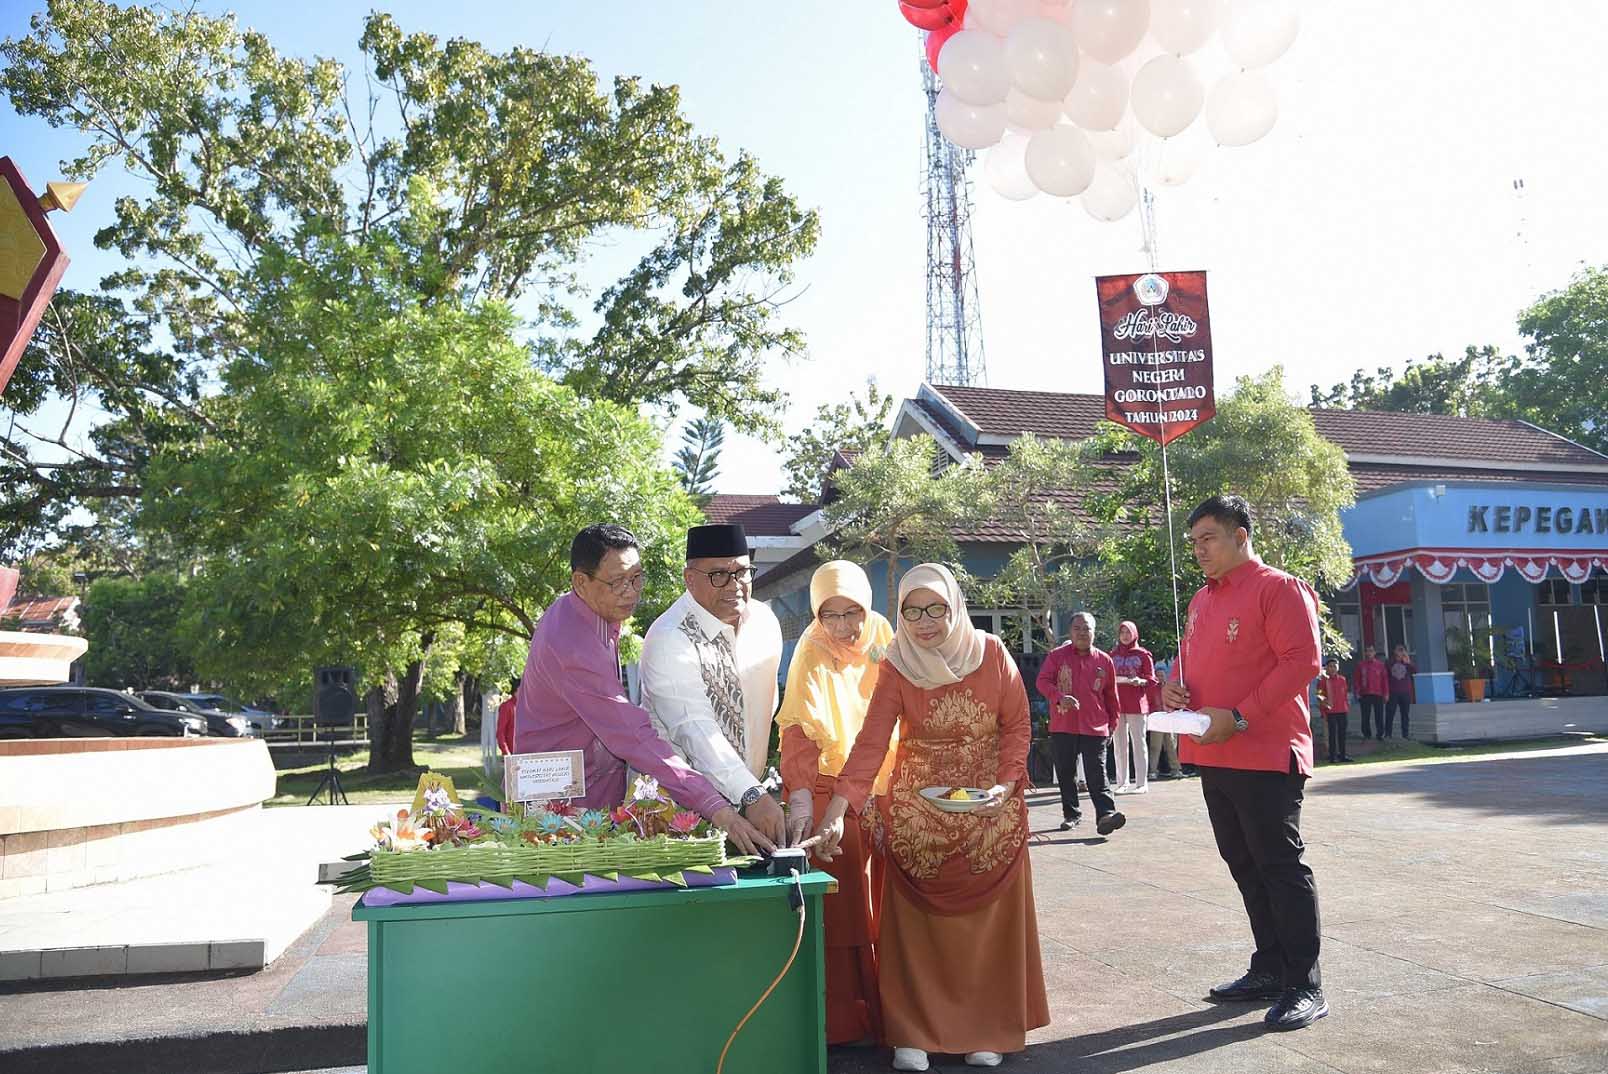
[1156, 346]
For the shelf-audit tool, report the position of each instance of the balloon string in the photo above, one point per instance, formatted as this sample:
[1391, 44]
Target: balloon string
[1147, 223]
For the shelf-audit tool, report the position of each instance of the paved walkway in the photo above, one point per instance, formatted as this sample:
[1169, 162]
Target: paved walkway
[1465, 920]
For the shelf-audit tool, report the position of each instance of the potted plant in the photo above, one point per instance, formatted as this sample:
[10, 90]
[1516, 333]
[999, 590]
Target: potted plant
[1467, 653]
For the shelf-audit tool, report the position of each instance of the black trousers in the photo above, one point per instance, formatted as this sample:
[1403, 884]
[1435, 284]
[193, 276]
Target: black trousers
[1337, 734]
[1394, 705]
[1372, 705]
[1256, 817]
[1092, 748]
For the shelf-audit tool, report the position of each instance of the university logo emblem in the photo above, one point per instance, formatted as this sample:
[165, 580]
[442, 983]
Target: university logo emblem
[1151, 289]
[1233, 630]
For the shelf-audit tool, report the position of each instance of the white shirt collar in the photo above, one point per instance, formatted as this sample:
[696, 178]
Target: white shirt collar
[706, 620]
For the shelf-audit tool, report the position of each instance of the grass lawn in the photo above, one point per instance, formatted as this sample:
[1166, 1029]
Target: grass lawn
[455, 756]
[1394, 750]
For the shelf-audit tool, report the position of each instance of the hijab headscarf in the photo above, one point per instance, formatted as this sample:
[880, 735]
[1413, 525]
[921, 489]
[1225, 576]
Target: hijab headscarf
[840, 578]
[1131, 625]
[961, 651]
[829, 682]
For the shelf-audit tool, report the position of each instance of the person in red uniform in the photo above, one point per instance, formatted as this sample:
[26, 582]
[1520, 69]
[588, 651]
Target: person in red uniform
[1080, 683]
[1249, 653]
[1332, 699]
[1372, 679]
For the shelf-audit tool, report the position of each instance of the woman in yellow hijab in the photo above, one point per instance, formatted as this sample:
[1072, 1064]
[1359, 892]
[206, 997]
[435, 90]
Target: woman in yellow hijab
[829, 685]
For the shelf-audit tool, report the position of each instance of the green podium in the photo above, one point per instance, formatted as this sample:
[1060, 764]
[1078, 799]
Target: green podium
[650, 981]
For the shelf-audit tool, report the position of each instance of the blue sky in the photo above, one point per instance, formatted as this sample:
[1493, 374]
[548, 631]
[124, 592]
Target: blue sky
[1376, 223]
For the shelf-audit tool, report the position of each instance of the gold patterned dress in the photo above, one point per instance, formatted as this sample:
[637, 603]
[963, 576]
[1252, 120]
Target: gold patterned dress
[959, 949]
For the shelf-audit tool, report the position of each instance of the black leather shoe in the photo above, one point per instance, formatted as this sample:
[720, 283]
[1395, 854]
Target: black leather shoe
[1297, 1008]
[1110, 823]
[1251, 986]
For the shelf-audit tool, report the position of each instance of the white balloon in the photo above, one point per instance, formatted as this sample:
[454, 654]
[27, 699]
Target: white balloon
[1241, 108]
[1112, 193]
[1181, 26]
[998, 17]
[1026, 113]
[970, 126]
[1166, 95]
[1043, 57]
[1006, 168]
[1113, 144]
[1061, 161]
[1175, 161]
[1110, 29]
[1098, 97]
[972, 65]
[1258, 32]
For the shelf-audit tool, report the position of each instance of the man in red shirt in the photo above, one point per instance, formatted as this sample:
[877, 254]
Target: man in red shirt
[1080, 683]
[1372, 677]
[1249, 652]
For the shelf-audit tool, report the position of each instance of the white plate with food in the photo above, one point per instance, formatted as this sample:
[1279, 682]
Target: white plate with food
[956, 799]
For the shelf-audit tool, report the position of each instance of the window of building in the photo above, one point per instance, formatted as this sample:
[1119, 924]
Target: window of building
[1594, 590]
[1554, 591]
[1467, 608]
[1013, 627]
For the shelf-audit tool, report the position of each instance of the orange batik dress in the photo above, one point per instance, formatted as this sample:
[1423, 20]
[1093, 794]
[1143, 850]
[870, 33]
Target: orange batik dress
[958, 953]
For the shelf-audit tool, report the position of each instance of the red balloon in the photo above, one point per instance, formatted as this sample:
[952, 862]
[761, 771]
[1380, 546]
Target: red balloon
[925, 18]
[936, 40]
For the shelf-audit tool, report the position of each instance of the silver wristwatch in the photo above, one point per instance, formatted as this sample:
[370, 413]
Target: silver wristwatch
[750, 796]
[1239, 720]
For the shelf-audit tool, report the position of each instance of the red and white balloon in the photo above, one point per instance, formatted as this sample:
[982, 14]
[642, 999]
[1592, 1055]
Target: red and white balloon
[1057, 90]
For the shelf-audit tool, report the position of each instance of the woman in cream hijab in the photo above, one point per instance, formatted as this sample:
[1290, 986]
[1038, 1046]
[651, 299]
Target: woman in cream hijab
[829, 685]
[958, 954]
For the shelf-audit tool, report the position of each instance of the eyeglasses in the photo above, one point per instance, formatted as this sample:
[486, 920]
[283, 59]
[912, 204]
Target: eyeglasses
[622, 586]
[720, 579]
[832, 618]
[932, 611]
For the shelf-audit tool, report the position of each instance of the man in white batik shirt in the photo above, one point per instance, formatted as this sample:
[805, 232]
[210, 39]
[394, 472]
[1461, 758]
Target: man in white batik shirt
[709, 673]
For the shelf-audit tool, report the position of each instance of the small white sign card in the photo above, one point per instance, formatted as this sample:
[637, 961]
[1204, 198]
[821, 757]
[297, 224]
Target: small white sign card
[541, 777]
[1180, 721]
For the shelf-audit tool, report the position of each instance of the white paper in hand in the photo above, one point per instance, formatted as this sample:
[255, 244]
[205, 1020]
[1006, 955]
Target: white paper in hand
[1181, 721]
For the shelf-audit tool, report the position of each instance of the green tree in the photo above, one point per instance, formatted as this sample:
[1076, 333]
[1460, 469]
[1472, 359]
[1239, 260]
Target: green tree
[904, 503]
[1261, 446]
[697, 462]
[1038, 491]
[132, 625]
[496, 172]
[1562, 382]
[1474, 385]
[855, 427]
[394, 471]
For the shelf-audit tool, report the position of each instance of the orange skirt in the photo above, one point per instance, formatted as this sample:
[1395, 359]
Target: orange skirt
[965, 983]
[849, 920]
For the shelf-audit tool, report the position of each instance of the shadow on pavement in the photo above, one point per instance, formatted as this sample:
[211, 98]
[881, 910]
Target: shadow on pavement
[1132, 1047]
[1567, 788]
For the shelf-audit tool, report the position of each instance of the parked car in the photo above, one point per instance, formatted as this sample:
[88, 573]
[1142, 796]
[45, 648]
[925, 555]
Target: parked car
[219, 724]
[86, 712]
[261, 719]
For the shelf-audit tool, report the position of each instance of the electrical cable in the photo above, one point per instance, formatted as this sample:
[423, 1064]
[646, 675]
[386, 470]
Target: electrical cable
[796, 897]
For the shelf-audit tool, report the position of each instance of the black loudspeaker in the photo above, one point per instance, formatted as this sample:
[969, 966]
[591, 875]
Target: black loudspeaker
[334, 696]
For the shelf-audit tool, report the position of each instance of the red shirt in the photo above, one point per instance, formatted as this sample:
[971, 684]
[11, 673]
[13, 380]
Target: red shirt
[1134, 661]
[1090, 677]
[505, 726]
[1332, 695]
[1251, 643]
[1371, 677]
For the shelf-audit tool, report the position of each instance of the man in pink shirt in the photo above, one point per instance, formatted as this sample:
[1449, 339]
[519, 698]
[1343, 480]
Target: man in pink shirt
[1249, 651]
[1080, 683]
[570, 696]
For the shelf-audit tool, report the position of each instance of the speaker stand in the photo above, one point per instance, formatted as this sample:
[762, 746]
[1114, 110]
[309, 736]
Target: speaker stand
[332, 780]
